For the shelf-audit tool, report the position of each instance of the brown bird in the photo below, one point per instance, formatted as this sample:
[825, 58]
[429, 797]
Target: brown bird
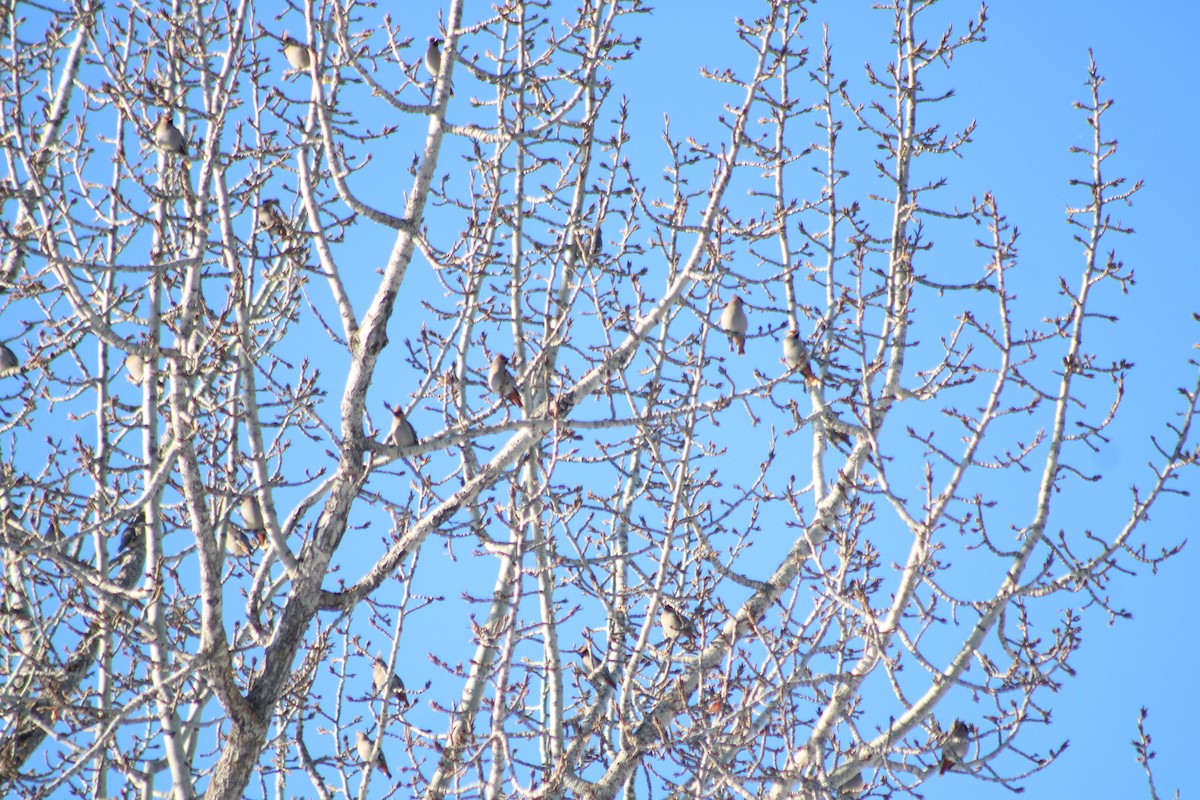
[954, 746]
[674, 624]
[734, 323]
[298, 54]
[365, 746]
[433, 56]
[8, 359]
[167, 137]
[502, 383]
[385, 684]
[402, 433]
[593, 668]
[796, 354]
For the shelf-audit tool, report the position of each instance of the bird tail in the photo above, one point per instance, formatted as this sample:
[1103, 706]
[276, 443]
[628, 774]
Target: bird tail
[947, 764]
[515, 397]
[741, 342]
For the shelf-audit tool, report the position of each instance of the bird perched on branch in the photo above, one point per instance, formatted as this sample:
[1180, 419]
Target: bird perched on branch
[402, 433]
[675, 625]
[593, 667]
[852, 786]
[237, 543]
[298, 54]
[433, 56]
[271, 218]
[252, 518]
[167, 137]
[954, 746]
[365, 746]
[135, 369]
[796, 354]
[734, 323]
[386, 684]
[501, 381]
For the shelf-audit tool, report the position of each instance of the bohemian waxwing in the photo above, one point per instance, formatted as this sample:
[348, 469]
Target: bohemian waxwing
[734, 323]
[252, 517]
[135, 369]
[795, 353]
[167, 137]
[433, 56]
[502, 383]
[402, 433]
[674, 624]
[8, 359]
[954, 746]
[594, 669]
[271, 218]
[387, 685]
[298, 54]
[365, 746]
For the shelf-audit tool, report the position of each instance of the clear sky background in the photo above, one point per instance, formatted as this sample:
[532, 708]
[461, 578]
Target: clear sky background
[1020, 86]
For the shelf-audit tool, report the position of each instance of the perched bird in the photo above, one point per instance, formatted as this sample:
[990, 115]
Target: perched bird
[8, 359]
[252, 518]
[674, 625]
[594, 668]
[238, 543]
[167, 137]
[299, 55]
[852, 786]
[734, 323]
[387, 684]
[134, 531]
[433, 56]
[135, 369]
[402, 433]
[795, 353]
[365, 746]
[271, 218]
[954, 746]
[501, 381]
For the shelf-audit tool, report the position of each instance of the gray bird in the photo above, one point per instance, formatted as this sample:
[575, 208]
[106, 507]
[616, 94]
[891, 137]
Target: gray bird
[594, 668]
[8, 359]
[385, 684]
[129, 537]
[135, 369]
[954, 746]
[796, 354]
[252, 517]
[271, 218]
[167, 137]
[674, 625]
[402, 433]
[298, 54]
[365, 746]
[734, 323]
[433, 56]
[501, 381]
[238, 543]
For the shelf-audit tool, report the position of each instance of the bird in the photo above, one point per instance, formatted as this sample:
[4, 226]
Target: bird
[593, 667]
[402, 433]
[433, 56]
[135, 369]
[674, 625]
[501, 381]
[298, 54]
[271, 218]
[365, 746]
[852, 786]
[129, 537]
[385, 684]
[238, 543]
[954, 746]
[167, 137]
[795, 353]
[252, 518]
[8, 359]
[734, 323]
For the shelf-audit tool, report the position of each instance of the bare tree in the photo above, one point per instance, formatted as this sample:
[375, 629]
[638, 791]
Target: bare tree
[637, 562]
